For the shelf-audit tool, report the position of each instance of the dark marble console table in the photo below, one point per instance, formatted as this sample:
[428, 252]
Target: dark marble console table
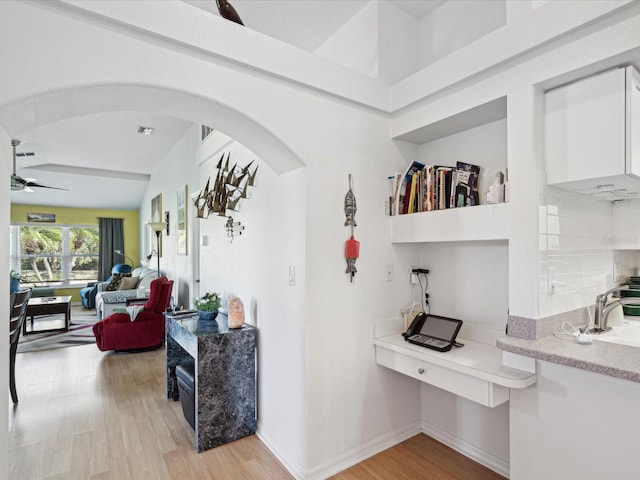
[225, 376]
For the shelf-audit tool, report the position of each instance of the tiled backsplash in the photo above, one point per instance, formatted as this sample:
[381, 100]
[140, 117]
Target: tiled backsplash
[576, 255]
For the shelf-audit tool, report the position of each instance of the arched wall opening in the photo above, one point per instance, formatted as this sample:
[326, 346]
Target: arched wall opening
[49, 107]
[43, 108]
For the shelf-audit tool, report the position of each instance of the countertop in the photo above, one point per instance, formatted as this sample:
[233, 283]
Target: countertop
[614, 360]
[202, 328]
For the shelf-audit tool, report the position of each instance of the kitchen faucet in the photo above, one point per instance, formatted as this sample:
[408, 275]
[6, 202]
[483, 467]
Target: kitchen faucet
[602, 309]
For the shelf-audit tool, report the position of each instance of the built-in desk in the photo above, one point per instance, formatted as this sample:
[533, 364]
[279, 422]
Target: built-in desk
[474, 371]
[225, 376]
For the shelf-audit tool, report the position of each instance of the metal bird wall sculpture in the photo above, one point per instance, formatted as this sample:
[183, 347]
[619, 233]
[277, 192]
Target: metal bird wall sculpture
[230, 186]
[227, 11]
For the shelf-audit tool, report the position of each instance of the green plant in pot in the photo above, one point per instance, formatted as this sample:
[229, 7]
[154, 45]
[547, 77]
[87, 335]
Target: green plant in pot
[207, 305]
[14, 281]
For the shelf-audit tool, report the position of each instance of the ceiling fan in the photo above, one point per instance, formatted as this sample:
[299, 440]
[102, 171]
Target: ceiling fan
[24, 184]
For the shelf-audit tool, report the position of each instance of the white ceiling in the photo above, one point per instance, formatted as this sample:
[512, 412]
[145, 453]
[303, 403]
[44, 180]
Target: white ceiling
[100, 159]
[103, 161]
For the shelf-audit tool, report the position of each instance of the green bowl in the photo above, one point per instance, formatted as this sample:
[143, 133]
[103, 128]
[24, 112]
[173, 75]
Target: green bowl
[631, 309]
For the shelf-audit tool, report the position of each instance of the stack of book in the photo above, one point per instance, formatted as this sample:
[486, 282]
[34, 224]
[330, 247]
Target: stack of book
[424, 188]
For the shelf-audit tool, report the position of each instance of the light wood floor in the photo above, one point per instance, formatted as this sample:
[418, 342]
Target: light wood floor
[85, 414]
[419, 458]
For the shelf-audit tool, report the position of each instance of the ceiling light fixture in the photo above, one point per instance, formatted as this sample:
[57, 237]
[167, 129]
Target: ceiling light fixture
[145, 130]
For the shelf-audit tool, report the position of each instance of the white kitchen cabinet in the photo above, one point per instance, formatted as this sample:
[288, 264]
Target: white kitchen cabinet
[592, 135]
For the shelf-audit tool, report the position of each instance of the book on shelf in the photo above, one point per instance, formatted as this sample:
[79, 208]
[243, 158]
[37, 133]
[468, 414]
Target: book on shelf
[467, 184]
[403, 187]
[425, 188]
[394, 181]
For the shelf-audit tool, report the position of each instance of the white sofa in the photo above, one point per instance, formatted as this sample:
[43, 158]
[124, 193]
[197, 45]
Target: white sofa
[107, 300]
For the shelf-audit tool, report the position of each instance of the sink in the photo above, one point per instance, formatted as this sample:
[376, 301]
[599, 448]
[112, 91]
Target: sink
[626, 334]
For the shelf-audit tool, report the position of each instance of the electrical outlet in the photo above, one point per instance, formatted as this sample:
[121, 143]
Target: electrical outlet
[389, 272]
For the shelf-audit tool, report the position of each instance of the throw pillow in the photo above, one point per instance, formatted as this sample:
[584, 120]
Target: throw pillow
[116, 278]
[128, 283]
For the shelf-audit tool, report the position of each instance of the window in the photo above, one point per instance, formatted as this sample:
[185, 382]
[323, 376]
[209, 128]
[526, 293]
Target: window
[62, 255]
[205, 132]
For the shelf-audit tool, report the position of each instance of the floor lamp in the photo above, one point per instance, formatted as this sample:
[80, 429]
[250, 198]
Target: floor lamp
[126, 257]
[157, 227]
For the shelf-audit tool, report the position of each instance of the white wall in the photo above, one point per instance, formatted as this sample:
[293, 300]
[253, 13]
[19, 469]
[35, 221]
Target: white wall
[456, 24]
[172, 172]
[346, 389]
[254, 267]
[480, 432]
[355, 44]
[574, 424]
[333, 138]
[350, 407]
[398, 43]
[469, 281]
[285, 126]
[380, 41]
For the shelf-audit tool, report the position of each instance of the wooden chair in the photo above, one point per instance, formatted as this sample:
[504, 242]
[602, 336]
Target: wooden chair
[18, 311]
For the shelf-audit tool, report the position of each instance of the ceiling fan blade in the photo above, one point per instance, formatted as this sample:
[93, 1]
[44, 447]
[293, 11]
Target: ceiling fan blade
[39, 185]
[18, 183]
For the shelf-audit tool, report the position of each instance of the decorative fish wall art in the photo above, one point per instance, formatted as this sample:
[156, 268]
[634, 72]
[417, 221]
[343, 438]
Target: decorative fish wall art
[350, 207]
[352, 246]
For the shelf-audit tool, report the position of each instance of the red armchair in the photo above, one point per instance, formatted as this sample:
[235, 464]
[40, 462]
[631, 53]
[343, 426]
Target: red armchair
[118, 332]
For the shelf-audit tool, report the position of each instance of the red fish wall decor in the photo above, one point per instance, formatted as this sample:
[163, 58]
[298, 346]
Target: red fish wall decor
[352, 247]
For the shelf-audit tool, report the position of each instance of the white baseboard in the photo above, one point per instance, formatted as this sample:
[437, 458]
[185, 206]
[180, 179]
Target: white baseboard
[281, 453]
[468, 449]
[375, 446]
[362, 452]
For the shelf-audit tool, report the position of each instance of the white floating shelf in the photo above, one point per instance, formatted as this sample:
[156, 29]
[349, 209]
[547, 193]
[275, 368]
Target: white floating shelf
[482, 222]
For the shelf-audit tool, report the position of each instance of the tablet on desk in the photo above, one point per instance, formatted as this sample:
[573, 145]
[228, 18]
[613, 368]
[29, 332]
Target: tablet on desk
[432, 331]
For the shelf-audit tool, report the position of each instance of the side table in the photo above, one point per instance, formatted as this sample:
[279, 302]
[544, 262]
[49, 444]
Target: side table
[48, 306]
[225, 375]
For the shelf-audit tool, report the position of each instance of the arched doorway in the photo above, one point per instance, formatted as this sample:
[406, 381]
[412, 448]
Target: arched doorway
[50, 107]
[41, 109]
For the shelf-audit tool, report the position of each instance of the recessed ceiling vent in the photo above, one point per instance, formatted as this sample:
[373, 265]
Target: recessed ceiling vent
[145, 130]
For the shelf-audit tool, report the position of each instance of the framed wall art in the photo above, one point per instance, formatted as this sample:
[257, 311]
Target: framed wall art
[41, 217]
[182, 220]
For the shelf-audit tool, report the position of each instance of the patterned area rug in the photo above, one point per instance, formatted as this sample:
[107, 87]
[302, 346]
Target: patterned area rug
[80, 332]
